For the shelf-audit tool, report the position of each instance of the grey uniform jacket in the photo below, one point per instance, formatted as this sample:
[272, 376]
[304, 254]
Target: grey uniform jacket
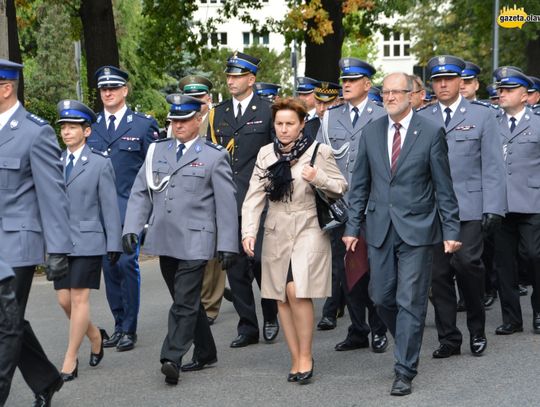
[475, 156]
[33, 201]
[522, 156]
[196, 213]
[93, 210]
[337, 125]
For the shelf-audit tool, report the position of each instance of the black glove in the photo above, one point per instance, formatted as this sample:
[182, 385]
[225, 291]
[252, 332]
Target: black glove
[491, 223]
[227, 259]
[56, 267]
[130, 242]
[113, 257]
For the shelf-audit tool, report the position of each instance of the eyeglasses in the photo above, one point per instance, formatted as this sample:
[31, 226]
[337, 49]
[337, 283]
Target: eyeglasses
[396, 92]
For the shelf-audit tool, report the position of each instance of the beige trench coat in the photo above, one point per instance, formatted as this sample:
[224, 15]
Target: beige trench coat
[291, 230]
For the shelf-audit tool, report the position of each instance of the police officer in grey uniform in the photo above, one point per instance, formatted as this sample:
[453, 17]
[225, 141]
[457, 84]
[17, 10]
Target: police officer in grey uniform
[341, 129]
[476, 165]
[10, 329]
[533, 99]
[186, 192]
[34, 219]
[519, 132]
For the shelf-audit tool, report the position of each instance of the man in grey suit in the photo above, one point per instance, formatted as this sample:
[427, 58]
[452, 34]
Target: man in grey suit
[476, 164]
[341, 128]
[401, 185]
[519, 133]
[34, 218]
[186, 192]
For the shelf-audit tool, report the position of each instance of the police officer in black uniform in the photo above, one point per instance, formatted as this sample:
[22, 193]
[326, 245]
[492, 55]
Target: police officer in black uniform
[243, 125]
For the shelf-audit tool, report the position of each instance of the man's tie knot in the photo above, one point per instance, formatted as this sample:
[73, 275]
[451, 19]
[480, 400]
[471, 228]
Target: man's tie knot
[512, 124]
[180, 152]
[448, 112]
[355, 118]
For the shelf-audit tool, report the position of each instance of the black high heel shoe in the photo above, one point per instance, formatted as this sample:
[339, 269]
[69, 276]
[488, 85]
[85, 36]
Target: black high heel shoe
[305, 377]
[292, 377]
[95, 358]
[67, 377]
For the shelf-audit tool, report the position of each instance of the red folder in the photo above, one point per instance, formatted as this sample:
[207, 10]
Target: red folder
[356, 263]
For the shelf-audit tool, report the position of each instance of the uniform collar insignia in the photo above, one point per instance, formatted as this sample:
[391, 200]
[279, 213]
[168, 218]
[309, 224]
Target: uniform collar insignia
[198, 148]
[434, 109]
[98, 119]
[13, 124]
[462, 110]
[369, 109]
[227, 109]
[254, 107]
[527, 117]
[84, 158]
[415, 132]
[169, 146]
[129, 119]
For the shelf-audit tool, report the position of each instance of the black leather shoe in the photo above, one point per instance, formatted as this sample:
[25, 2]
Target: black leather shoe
[379, 343]
[127, 342]
[348, 344]
[292, 377]
[536, 323]
[44, 398]
[489, 300]
[95, 358]
[401, 386]
[478, 345]
[171, 372]
[305, 377]
[460, 306]
[113, 340]
[523, 291]
[508, 329]
[270, 330]
[242, 341]
[198, 364]
[445, 351]
[326, 324]
[67, 377]
[227, 294]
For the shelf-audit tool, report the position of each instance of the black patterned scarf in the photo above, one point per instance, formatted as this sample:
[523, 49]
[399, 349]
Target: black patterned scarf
[280, 186]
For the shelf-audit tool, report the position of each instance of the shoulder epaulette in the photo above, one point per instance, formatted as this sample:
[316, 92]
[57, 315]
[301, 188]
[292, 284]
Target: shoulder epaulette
[219, 104]
[481, 103]
[36, 119]
[422, 108]
[335, 107]
[266, 100]
[216, 146]
[100, 153]
[144, 115]
[162, 140]
[537, 112]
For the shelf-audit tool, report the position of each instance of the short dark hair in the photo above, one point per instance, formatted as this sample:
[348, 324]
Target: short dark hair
[289, 103]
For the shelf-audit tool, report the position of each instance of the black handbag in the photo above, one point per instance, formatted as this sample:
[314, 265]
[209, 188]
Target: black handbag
[331, 213]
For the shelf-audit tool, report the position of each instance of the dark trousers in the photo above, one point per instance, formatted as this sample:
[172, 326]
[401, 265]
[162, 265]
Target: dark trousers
[240, 277]
[357, 299]
[188, 323]
[400, 279]
[467, 267]
[487, 259]
[517, 230]
[123, 289]
[10, 333]
[36, 369]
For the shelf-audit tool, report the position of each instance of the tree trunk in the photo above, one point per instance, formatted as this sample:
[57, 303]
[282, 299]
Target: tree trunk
[13, 43]
[322, 59]
[100, 44]
[532, 50]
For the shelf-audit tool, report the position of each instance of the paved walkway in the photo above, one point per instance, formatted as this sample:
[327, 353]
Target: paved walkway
[507, 375]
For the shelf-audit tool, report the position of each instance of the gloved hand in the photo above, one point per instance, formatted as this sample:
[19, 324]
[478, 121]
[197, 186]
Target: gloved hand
[56, 267]
[491, 223]
[227, 259]
[130, 242]
[113, 257]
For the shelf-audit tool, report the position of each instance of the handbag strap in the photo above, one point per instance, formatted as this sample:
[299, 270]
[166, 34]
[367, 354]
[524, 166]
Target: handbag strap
[314, 156]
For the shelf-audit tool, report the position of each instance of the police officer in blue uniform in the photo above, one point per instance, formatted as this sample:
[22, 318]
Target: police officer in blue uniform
[533, 100]
[267, 90]
[243, 125]
[34, 220]
[476, 165]
[124, 136]
[519, 132]
[304, 91]
[469, 84]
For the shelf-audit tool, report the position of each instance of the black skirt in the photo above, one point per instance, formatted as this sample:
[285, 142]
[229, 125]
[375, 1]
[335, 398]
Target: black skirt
[83, 272]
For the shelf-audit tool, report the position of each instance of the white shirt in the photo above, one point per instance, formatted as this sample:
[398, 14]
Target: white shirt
[454, 106]
[118, 117]
[517, 116]
[360, 107]
[187, 145]
[311, 114]
[402, 132]
[4, 117]
[244, 103]
[76, 154]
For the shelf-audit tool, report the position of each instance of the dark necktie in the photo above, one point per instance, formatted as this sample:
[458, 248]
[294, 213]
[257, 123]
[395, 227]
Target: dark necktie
[239, 112]
[448, 117]
[512, 124]
[111, 129]
[355, 118]
[179, 152]
[396, 148]
[69, 166]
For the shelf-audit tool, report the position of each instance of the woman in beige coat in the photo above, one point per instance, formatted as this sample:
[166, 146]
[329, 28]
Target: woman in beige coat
[296, 255]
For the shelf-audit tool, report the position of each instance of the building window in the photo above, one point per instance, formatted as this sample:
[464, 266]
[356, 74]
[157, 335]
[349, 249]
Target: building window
[256, 39]
[246, 38]
[214, 40]
[396, 44]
